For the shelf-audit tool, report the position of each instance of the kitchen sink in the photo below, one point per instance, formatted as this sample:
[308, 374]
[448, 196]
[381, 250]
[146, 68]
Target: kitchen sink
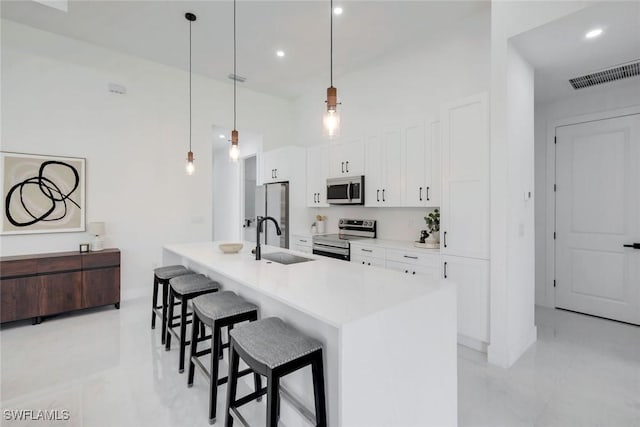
[285, 258]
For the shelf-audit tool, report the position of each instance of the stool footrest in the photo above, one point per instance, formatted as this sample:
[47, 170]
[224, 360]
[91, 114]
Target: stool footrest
[238, 417]
[249, 397]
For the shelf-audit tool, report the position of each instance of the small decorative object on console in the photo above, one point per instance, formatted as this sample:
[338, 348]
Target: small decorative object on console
[84, 247]
[430, 239]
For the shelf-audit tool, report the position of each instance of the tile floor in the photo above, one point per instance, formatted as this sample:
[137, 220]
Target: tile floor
[108, 368]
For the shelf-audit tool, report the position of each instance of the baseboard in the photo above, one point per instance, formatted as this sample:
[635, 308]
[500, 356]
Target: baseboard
[472, 343]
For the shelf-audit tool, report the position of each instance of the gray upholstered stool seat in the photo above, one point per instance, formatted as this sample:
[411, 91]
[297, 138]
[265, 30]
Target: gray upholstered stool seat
[274, 349]
[272, 342]
[171, 271]
[183, 289]
[190, 283]
[220, 305]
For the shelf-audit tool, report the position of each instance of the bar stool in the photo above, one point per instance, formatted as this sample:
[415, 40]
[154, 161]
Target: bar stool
[273, 349]
[217, 310]
[161, 276]
[185, 288]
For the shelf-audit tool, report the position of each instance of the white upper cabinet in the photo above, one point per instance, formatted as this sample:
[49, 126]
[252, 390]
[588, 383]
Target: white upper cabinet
[317, 173]
[383, 170]
[347, 159]
[277, 165]
[421, 143]
[465, 178]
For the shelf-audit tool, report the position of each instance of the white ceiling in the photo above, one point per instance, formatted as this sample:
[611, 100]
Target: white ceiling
[559, 51]
[158, 31]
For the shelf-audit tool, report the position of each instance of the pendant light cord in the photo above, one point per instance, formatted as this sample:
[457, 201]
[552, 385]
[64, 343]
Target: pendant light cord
[331, 43]
[235, 76]
[190, 22]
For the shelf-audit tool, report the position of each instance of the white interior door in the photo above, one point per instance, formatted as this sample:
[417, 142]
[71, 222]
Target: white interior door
[597, 213]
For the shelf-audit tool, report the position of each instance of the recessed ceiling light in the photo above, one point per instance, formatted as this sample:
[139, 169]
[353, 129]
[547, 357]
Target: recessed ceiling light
[221, 136]
[337, 10]
[593, 33]
[280, 53]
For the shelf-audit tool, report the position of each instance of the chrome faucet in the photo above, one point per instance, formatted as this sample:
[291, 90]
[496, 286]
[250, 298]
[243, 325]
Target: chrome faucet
[259, 222]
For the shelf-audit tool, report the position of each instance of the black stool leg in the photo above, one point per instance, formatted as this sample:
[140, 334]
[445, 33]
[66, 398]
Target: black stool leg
[183, 332]
[154, 302]
[165, 297]
[318, 390]
[194, 347]
[232, 384]
[169, 320]
[273, 390]
[213, 381]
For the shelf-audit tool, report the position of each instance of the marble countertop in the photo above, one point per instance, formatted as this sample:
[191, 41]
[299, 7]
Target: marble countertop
[333, 291]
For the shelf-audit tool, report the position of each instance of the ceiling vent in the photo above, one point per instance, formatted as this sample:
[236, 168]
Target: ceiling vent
[631, 69]
[237, 78]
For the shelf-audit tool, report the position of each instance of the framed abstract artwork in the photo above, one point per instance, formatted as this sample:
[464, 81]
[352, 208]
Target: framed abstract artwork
[42, 194]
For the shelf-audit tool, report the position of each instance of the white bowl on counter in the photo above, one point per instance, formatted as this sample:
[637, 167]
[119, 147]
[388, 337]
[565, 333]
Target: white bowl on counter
[230, 248]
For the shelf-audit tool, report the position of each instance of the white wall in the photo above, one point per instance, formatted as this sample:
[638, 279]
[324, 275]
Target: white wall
[598, 99]
[55, 101]
[512, 328]
[413, 82]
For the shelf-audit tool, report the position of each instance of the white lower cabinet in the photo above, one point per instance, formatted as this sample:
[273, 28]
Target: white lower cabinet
[472, 279]
[301, 243]
[368, 261]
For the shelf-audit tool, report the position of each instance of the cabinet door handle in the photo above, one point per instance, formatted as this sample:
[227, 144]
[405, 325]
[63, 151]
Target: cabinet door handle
[444, 238]
[378, 195]
[368, 263]
[317, 197]
[383, 195]
[342, 167]
[410, 257]
[428, 193]
[276, 173]
[406, 271]
[347, 163]
[362, 262]
[632, 245]
[304, 241]
[445, 269]
[413, 273]
[420, 193]
[366, 250]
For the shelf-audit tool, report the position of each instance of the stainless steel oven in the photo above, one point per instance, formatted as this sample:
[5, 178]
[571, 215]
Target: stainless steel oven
[345, 191]
[337, 245]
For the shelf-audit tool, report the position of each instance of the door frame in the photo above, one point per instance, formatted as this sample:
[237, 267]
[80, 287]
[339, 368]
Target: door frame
[550, 294]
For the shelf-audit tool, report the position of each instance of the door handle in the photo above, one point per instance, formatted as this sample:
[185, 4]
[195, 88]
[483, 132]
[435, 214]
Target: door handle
[342, 167]
[444, 238]
[368, 263]
[366, 250]
[383, 195]
[406, 271]
[315, 197]
[632, 245]
[413, 273]
[347, 163]
[410, 257]
[420, 193]
[427, 193]
[276, 173]
[445, 269]
[378, 195]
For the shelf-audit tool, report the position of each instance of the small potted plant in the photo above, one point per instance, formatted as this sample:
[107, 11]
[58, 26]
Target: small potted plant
[433, 225]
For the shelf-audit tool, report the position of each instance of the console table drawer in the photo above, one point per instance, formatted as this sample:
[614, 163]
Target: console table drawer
[106, 258]
[56, 264]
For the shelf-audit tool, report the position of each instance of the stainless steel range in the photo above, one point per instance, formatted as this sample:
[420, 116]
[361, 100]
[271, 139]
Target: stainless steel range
[337, 245]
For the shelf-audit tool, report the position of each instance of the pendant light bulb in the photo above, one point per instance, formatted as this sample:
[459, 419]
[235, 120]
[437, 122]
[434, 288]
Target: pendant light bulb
[234, 152]
[190, 167]
[331, 122]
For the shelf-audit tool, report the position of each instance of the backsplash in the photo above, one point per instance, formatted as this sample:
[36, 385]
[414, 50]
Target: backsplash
[393, 223]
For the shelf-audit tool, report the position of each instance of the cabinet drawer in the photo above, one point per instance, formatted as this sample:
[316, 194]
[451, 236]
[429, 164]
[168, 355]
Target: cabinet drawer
[60, 292]
[100, 287]
[55, 264]
[367, 260]
[413, 257]
[367, 251]
[302, 240]
[109, 258]
[19, 298]
[15, 268]
[415, 269]
[303, 249]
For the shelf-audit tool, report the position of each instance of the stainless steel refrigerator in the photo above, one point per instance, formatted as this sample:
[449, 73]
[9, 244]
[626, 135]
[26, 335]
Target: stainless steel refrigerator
[273, 200]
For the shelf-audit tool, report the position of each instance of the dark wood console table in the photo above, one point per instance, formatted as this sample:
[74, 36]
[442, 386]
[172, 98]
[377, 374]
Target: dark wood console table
[34, 286]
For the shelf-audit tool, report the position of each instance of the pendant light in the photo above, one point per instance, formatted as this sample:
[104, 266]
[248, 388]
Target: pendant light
[331, 119]
[233, 150]
[190, 167]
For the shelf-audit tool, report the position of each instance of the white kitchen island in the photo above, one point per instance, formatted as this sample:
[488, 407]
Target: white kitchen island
[389, 338]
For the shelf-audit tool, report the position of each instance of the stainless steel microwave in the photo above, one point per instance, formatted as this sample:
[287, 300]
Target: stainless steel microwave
[346, 191]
